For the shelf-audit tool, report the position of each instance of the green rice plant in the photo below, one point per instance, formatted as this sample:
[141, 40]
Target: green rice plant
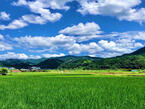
[71, 91]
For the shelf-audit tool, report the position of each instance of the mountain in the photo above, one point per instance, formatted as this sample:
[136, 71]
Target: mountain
[59, 62]
[69, 58]
[17, 63]
[21, 63]
[139, 52]
[34, 61]
[50, 64]
[135, 60]
[81, 63]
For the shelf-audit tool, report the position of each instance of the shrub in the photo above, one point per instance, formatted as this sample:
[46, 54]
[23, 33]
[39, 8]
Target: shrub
[3, 71]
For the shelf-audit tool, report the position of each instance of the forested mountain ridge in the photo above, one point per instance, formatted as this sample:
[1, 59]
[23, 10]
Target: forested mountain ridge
[139, 52]
[135, 60]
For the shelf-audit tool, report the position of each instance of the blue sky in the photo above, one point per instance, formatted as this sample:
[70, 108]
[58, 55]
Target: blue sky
[52, 28]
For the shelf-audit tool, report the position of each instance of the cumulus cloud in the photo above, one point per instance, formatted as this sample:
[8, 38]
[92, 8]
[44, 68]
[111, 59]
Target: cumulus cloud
[120, 46]
[53, 4]
[60, 42]
[47, 42]
[90, 28]
[34, 57]
[120, 43]
[33, 19]
[5, 46]
[112, 46]
[13, 55]
[122, 9]
[53, 55]
[136, 35]
[91, 48]
[1, 36]
[83, 32]
[4, 16]
[14, 25]
[37, 7]
[88, 37]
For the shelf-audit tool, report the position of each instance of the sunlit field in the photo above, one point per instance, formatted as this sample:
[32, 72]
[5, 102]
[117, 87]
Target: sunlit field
[64, 90]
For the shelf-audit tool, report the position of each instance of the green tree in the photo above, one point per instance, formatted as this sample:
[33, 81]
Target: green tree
[3, 71]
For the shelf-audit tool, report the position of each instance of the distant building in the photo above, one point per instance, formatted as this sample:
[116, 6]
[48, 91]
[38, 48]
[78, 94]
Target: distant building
[11, 68]
[25, 70]
[35, 69]
[16, 71]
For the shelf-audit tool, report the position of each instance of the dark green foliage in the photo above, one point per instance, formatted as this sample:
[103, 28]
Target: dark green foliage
[73, 64]
[125, 62]
[135, 60]
[4, 71]
[139, 52]
[50, 64]
[34, 61]
[16, 63]
[70, 58]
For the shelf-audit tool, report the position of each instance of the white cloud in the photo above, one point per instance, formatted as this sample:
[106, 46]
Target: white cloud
[120, 43]
[4, 16]
[83, 32]
[34, 19]
[120, 46]
[14, 25]
[122, 9]
[53, 55]
[38, 7]
[138, 35]
[13, 55]
[138, 45]
[53, 4]
[111, 46]
[34, 57]
[46, 42]
[87, 38]
[90, 48]
[90, 28]
[57, 4]
[4, 46]
[135, 15]
[128, 43]
[110, 54]
[20, 2]
[1, 36]
[60, 42]
[135, 35]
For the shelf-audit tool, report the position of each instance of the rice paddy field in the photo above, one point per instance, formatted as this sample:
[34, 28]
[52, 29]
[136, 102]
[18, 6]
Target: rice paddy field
[72, 91]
